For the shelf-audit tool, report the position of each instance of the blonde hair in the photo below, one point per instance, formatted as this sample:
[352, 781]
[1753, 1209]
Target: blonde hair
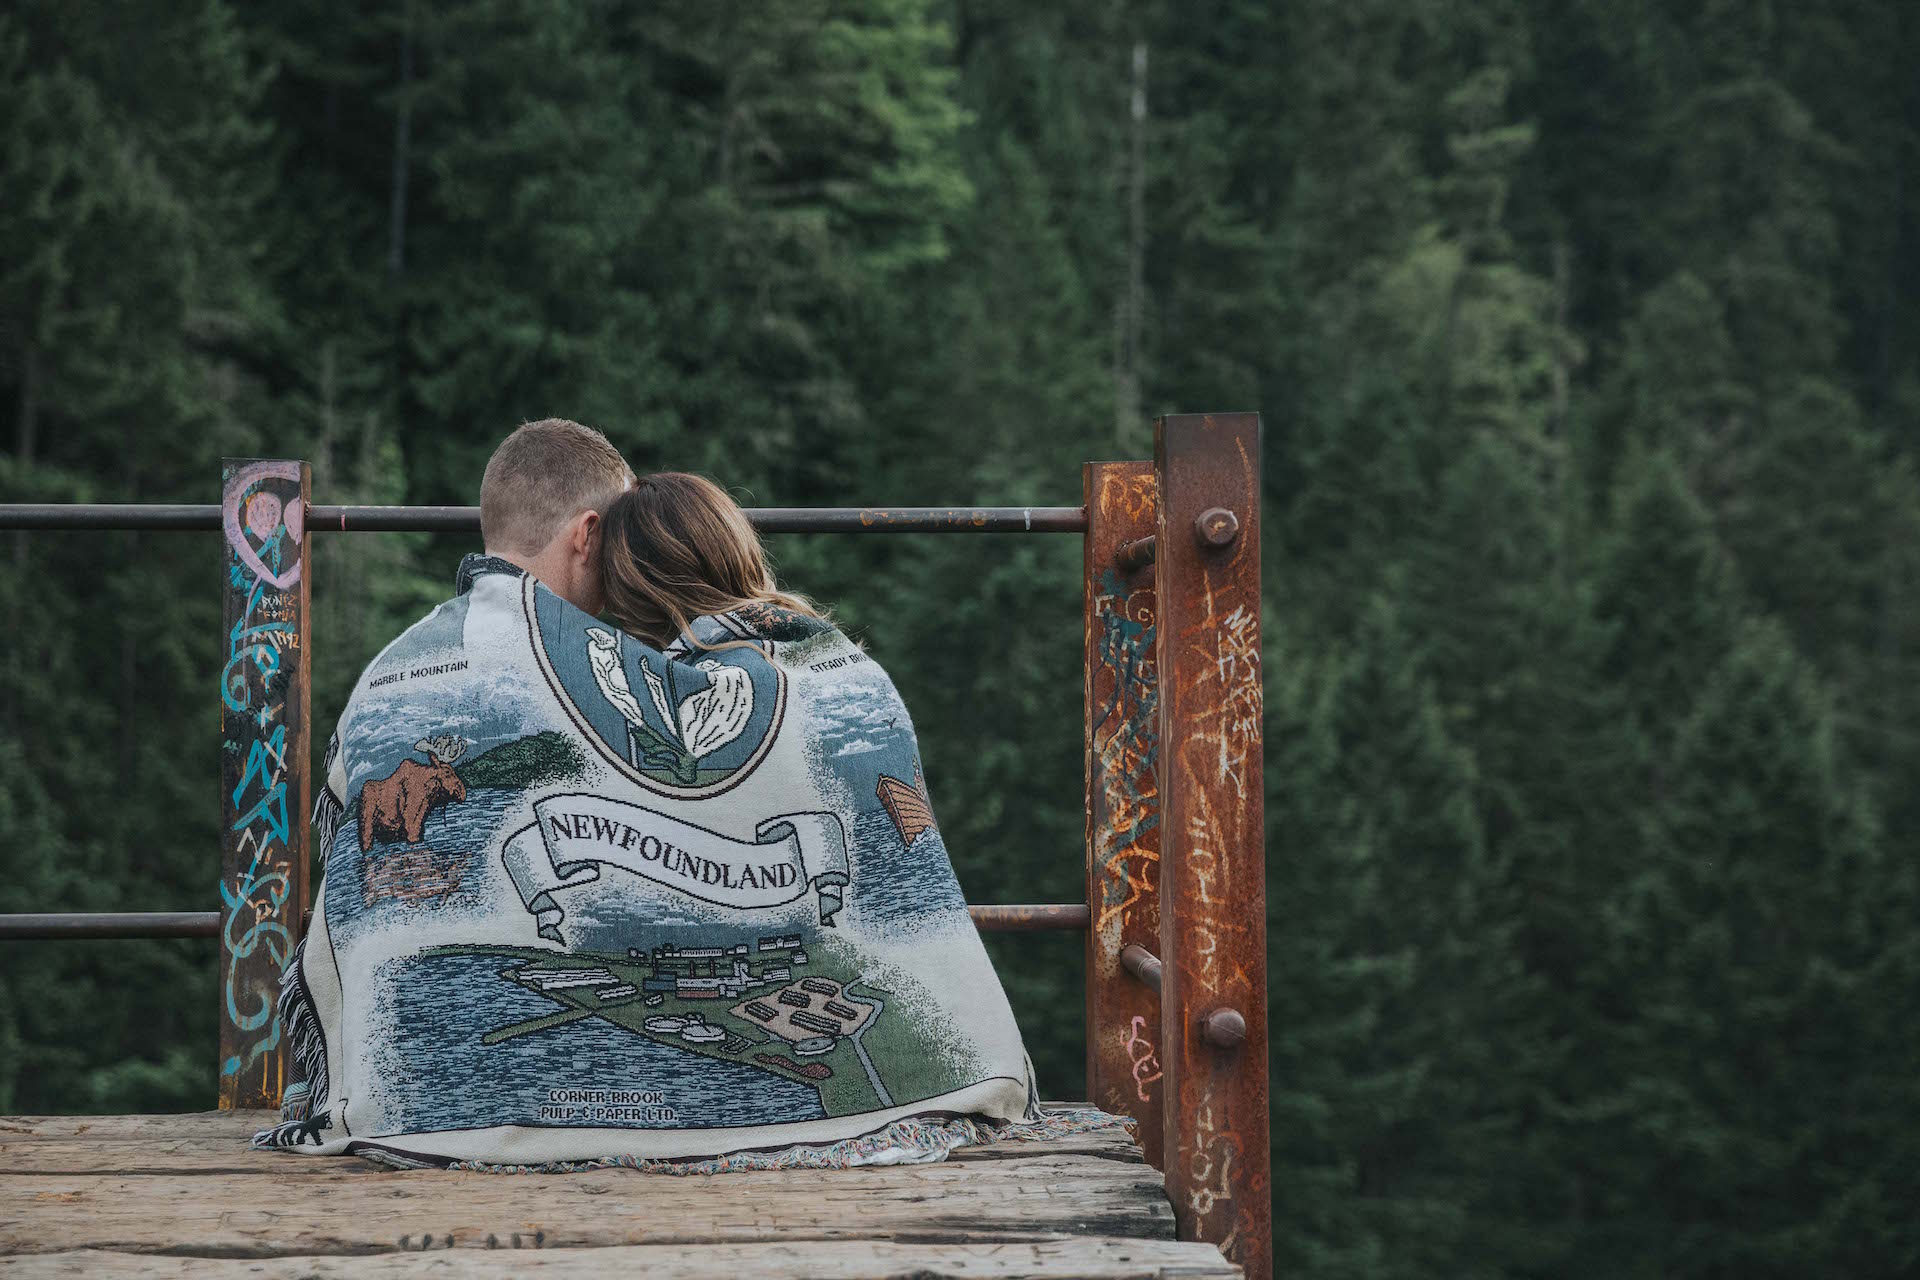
[675, 547]
[540, 477]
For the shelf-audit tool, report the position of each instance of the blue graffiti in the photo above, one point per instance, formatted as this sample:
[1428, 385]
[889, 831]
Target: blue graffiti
[254, 903]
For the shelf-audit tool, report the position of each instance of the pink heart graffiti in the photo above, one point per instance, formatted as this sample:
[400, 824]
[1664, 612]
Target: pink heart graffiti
[264, 513]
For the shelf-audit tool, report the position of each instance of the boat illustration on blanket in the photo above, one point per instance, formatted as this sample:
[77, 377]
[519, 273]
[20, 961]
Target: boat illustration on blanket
[907, 804]
[780, 1004]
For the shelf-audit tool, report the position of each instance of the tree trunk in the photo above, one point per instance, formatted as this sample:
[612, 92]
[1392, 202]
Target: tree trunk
[402, 142]
[26, 439]
[1127, 320]
[1562, 337]
[129, 688]
[27, 430]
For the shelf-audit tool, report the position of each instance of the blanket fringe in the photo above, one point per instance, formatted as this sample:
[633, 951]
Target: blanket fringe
[306, 1042]
[328, 811]
[292, 1133]
[910, 1141]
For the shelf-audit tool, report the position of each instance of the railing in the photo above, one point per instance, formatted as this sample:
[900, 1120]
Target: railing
[190, 518]
[1176, 946]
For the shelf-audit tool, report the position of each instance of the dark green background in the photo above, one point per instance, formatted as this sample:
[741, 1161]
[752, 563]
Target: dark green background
[1585, 335]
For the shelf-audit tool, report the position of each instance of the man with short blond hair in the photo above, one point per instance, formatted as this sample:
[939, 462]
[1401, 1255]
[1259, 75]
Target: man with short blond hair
[541, 500]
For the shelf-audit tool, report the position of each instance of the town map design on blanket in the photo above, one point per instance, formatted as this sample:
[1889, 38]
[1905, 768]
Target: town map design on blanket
[584, 897]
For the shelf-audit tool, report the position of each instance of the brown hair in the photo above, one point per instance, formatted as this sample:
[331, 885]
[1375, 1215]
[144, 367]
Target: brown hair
[540, 477]
[676, 547]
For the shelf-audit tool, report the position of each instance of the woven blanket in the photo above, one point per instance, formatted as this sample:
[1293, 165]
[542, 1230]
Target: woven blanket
[588, 900]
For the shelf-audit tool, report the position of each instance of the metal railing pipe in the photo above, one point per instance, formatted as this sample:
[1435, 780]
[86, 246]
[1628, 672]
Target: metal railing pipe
[110, 515]
[205, 517]
[49, 925]
[1032, 917]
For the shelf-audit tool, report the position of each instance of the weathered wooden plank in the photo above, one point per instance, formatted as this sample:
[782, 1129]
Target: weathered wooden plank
[273, 1214]
[1039, 1168]
[1102, 1144]
[264, 795]
[162, 1157]
[1097, 1258]
[139, 1128]
[1123, 804]
[1213, 1029]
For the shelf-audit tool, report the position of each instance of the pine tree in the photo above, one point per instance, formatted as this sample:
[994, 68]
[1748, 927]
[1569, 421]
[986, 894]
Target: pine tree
[1747, 949]
[1665, 588]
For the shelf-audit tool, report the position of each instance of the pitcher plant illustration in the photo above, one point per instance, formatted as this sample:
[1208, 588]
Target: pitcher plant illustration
[694, 727]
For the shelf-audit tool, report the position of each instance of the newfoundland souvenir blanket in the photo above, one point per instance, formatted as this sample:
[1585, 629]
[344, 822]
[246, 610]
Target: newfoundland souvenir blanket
[588, 900]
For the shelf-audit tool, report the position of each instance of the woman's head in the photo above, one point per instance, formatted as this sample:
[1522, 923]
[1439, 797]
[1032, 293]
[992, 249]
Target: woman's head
[675, 547]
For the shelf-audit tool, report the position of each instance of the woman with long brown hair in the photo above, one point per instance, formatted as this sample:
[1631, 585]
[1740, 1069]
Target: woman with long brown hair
[674, 548]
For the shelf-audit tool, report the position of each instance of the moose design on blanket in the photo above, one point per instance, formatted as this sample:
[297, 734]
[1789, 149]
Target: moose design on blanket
[586, 898]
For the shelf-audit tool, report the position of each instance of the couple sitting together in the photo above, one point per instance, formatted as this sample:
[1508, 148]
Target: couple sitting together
[628, 857]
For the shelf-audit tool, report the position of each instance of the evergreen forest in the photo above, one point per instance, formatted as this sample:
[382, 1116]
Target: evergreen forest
[1587, 339]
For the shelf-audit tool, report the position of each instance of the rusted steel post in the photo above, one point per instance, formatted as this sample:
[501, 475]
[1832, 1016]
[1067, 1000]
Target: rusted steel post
[1213, 992]
[1123, 816]
[263, 764]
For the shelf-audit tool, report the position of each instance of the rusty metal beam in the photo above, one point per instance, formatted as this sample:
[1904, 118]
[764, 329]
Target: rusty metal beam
[1123, 807]
[1213, 1022]
[181, 517]
[264, 797]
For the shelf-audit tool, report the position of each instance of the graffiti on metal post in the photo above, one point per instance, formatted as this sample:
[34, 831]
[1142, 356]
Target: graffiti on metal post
[1211, 1162]
[263, 516]
[1212, 883]
[1125, 745]
[1123, 796]
[1146, 1063]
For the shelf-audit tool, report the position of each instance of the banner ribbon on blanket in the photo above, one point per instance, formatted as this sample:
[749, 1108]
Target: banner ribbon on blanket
[573, 836]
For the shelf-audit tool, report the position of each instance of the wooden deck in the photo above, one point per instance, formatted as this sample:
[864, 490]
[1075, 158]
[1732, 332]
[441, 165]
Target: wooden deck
[181, 1195]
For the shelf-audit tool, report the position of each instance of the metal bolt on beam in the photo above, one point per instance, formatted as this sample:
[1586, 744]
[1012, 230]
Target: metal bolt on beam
[1216, 527]
[1135, 555]
[1141, 963]
[1224, 1028]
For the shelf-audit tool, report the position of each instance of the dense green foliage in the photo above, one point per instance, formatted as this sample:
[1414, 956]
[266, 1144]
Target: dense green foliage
[1587, 337]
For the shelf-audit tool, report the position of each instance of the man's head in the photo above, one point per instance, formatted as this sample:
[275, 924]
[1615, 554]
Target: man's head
[541, 500]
